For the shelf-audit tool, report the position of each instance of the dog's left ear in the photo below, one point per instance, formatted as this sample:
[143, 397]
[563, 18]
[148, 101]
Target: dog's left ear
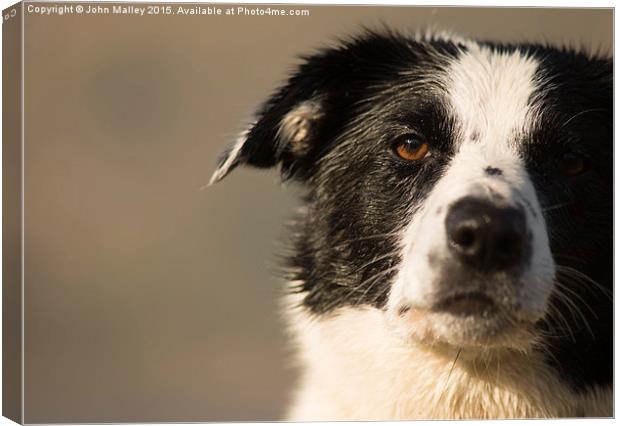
[286, 129]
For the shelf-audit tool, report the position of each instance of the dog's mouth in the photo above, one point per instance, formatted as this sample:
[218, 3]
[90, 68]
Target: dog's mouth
[467, 304]
[466, 319]
[470, 304]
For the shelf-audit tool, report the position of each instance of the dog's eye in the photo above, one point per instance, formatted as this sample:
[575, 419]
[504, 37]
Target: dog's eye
[411, 148]
[572, 164]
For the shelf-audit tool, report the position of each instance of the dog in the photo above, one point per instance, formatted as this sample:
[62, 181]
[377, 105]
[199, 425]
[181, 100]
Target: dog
[453, 255]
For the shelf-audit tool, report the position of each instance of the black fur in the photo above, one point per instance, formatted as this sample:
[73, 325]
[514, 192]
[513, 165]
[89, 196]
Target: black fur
[578, 118]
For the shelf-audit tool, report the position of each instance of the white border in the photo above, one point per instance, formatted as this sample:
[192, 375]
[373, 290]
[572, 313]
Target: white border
[488, 3]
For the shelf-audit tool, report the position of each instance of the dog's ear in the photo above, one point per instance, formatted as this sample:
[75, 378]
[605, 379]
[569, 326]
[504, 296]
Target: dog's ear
[301, 120]
[286, 128]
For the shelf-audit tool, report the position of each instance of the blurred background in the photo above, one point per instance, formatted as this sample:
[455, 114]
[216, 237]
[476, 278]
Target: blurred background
[146, 298]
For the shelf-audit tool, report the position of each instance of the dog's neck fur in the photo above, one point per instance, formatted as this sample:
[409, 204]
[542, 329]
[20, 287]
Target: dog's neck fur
[356, 369]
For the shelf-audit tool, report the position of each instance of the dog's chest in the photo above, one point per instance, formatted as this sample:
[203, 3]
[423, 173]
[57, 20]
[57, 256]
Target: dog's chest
[353, 368]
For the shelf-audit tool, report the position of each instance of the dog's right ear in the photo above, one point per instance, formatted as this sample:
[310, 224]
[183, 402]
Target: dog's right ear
[294, 127]
[286, 129]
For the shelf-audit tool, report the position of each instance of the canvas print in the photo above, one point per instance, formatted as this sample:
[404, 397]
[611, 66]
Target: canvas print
[263, 212]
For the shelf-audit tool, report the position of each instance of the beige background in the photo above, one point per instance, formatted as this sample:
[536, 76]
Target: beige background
[146, 298]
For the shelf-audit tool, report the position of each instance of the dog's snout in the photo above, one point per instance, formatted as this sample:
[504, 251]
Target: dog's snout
[486, 237]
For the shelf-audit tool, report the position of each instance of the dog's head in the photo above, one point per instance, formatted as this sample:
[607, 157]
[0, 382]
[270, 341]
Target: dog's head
[464, 188]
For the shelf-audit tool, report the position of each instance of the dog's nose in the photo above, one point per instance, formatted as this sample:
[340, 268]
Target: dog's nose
[486, 237]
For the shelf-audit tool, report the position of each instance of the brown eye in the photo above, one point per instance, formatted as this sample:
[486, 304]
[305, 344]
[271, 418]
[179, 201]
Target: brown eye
[411, 149]
[572, 164]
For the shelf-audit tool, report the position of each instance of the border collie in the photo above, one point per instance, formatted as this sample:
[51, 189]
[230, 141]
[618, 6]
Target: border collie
[453, 257]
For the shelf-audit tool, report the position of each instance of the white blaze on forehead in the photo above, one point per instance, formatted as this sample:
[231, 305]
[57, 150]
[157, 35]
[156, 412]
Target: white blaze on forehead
[490, 93]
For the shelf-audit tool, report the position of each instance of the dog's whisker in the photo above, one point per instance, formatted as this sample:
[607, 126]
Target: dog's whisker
[556, 206]
[445, 387]
[574, 310]
[572, 273]
[393, 254]
[580, 114]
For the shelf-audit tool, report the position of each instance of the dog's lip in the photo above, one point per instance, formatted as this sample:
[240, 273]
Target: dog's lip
[458, 304]
[466, 304]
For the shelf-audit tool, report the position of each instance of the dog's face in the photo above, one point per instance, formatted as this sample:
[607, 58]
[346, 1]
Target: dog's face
[462, 188]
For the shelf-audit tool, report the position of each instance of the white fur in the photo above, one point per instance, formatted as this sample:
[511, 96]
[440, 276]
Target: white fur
[356, 368]
[296, 127]
[231, 157]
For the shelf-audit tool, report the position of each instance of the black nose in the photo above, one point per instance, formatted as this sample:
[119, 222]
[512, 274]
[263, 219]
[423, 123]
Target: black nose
[486, 237]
